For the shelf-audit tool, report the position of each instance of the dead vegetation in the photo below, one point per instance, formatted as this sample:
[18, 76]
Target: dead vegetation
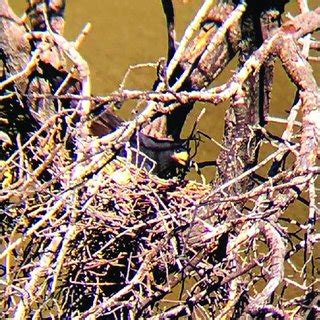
[89, 233]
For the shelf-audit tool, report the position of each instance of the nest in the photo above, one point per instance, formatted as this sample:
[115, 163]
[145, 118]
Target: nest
[88, 234]
[74, 239]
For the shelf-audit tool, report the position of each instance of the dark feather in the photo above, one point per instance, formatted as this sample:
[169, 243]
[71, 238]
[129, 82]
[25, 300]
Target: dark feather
[162, 152]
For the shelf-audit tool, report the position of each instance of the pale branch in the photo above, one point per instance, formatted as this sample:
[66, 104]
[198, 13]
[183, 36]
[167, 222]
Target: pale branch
[89, 231]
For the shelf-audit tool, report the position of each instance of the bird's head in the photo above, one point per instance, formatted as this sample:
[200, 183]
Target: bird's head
[167, 154]
[181, 156]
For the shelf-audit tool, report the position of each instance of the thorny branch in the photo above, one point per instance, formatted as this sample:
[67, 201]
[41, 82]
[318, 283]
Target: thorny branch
[89, 230]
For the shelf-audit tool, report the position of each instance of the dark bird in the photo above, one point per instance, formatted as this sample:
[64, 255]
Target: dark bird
[161, 156]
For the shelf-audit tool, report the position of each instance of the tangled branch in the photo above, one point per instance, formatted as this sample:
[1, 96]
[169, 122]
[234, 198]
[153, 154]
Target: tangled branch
[88, 228]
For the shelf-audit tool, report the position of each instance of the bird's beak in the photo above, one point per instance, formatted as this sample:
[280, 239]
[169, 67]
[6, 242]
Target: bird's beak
[181, 157]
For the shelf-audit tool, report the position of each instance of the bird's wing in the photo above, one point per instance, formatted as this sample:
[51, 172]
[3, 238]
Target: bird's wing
[104, 123]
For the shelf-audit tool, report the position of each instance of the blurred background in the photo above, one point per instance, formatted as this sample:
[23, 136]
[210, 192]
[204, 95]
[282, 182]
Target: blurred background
[126, 33]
